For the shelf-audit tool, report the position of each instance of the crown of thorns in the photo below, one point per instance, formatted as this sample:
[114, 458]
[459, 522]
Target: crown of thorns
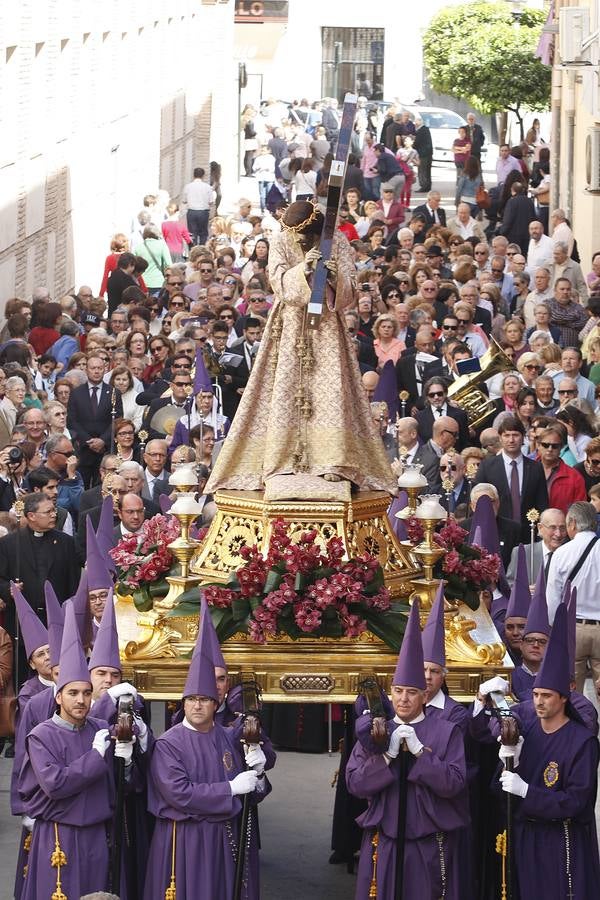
[305, 222]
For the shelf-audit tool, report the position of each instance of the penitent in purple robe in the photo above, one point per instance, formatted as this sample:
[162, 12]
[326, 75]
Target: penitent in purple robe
[556, 818]
[437, 808]
[65, 781]
[522, 683]
[41, 707]
[189, 780]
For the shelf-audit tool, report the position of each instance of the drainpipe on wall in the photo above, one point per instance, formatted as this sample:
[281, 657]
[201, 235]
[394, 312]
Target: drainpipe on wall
[569, 161]
[555, 166]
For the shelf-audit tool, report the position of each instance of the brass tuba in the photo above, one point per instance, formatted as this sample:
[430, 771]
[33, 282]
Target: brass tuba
[465, 392]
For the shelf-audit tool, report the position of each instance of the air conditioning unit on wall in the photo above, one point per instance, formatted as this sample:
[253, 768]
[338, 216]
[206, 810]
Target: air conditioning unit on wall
[574, 29]
[592, 159]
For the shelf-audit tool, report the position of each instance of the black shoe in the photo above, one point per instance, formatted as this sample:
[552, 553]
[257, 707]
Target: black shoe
[337, 858]
[9, 753]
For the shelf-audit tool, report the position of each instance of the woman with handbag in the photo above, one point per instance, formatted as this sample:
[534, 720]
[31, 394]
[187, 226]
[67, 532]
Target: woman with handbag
[469, 184]
[156, 253]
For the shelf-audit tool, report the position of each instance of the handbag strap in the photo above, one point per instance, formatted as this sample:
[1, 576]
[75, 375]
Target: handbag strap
[154, 259]
[577, 567]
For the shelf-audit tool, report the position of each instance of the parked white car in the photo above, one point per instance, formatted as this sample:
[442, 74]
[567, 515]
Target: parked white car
[444, 125]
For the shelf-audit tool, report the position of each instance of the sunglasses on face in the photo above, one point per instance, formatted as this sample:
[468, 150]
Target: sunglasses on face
[530, 366]
[548, 446]
[179, 304]
[448, 468]
[464, 321]
[226, 316]
[453, 433]
[436, 394]
[567, 393]
[176, 283]
[449, 327]
[206, 271]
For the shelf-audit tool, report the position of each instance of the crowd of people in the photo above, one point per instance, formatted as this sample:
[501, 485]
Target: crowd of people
[105, 392]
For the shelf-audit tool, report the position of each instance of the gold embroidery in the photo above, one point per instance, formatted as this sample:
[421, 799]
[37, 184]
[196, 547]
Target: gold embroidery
[551, 774]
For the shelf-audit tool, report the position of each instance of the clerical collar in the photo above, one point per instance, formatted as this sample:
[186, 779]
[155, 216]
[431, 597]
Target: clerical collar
[38, 533]
[439, 701]
[46, 682]
[419, 718]
[67, 725]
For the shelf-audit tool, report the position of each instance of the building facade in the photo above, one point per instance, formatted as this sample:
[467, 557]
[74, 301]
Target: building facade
[100, 104]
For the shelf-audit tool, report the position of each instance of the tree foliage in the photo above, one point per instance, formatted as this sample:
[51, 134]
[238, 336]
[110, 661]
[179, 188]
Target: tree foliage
[480, 53]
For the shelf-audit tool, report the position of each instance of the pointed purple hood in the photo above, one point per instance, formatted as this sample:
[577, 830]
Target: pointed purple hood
[537, 618]
[410, 668]
[104, 532]
[106, 644]
[202, 380]
[217, 653]
[96, 565]
[433, 637]
[73, 665]
[33, 631]
[520, 595]
[201, 679]
[554, 672]
[387, 389]
[55, 618]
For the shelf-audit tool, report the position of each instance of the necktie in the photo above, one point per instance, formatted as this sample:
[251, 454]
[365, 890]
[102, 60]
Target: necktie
[94, 398]
[515, 494]
[438, 413]
[547, 566]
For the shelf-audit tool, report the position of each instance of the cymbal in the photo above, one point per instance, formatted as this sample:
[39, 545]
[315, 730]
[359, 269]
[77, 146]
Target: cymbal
[166, 418]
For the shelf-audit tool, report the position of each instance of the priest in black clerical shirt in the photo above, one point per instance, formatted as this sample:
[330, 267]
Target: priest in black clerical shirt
[34, 553]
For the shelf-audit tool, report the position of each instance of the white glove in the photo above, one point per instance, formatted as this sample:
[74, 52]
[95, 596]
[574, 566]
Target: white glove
[513, 784]
[256, 759]
[395, 740]
[124, 750]
[117, 690]
[244, 783]
[101, 740]
[511, 751]
[27, 823]
[408, 733]
[494, 684]
[142, 732]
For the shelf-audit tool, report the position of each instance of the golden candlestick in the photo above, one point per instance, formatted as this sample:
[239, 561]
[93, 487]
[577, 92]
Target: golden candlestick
[186, 509]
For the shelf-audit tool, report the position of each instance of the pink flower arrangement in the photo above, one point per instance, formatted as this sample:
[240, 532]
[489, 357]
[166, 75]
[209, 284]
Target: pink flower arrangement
[467, 568]
[142, 558]
[300, 589]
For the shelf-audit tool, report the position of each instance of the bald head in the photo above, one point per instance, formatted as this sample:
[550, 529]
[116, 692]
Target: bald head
[408, 430]
[370, 380]
[445, 432]
[425, 339]
[131, 512]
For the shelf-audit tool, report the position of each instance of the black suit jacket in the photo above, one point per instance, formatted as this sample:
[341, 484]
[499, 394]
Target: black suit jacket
[509, 533]
[534, 493]
[424, 211]
[430, 461]
[63, 573]
[150, 509]
[84, 423]
[90, 498]
[239, 378]
[483, 317]
[425, 419]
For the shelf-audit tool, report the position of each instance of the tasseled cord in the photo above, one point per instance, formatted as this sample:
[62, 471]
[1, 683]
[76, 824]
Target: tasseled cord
[57, 860]
[373, 887]
[171, 891]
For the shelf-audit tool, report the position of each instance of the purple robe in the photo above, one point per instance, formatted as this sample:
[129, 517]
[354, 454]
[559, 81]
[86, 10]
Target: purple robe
[485, 728]
[189, 780]
[41, 707]
[561, 771]
[437, 808]
[522, 683]
[65, 781]
[29, 689]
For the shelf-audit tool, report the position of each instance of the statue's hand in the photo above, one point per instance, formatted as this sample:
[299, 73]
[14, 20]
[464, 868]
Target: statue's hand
[312, 258]
[331, 266]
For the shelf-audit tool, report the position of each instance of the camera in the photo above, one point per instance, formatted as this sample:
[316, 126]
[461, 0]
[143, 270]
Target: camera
[15, 456]
[365, 286]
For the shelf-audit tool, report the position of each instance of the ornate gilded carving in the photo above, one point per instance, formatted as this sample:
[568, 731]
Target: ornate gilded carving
[307, 683]
[157, 645]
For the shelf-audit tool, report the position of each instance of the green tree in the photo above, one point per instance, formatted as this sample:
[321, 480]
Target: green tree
[482, 54]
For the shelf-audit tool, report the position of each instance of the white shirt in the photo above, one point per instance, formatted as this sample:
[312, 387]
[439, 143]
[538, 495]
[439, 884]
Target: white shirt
[562, 232]
[508, 468]
[540, 253]
[564, 559]
[475, 342]
[198, 194]
[439, 701]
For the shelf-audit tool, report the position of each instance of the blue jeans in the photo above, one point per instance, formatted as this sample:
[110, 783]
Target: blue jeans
[372, 185]
[263, 189]
[197, 223]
